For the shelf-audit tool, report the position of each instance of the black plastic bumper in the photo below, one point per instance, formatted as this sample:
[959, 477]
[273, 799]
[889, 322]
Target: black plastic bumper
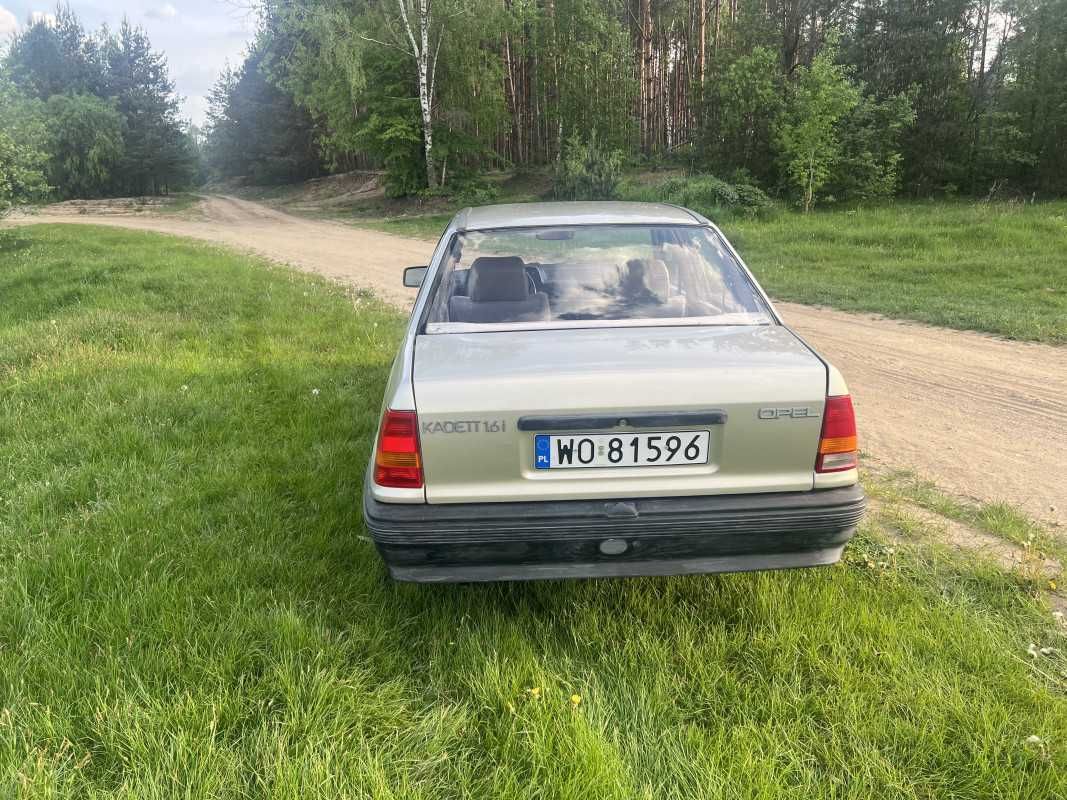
[605, 538]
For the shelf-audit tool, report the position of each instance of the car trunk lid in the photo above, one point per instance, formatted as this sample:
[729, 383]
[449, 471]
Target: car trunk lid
[483, 398]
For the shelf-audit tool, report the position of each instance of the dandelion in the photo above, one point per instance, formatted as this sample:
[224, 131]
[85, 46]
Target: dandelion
[534, 692]
[576, 700]
[1052, 584]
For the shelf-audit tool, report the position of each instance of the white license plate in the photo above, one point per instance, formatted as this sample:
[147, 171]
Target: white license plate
[664, 449]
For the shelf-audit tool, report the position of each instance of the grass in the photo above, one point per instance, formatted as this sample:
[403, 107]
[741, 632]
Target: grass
[999, 519]
[997, 268]
[421, 226]
[190, 606]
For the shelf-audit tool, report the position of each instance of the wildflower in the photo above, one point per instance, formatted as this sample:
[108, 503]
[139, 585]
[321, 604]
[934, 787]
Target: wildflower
[185, 387]
[1033, 739]
[1032, 650]
[511, 707]
[315, 392]
[576, 699]
[1052, 584]
[535, 692]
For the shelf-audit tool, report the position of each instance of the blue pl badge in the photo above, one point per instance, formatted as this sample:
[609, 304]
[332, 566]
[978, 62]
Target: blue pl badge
[542, 451]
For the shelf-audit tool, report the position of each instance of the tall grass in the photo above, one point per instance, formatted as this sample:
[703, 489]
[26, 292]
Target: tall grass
[997, 268]
[190, 606]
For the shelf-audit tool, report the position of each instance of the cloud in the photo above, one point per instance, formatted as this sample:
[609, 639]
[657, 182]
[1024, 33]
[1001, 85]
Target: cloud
[46, 17]
[8, 24]
[165, 11]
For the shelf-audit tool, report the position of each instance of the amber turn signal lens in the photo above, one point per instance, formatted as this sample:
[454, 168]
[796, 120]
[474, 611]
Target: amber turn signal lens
[838, 442]
[397, 463]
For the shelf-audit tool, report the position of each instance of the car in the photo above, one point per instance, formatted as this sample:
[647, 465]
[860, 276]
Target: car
[602, 389]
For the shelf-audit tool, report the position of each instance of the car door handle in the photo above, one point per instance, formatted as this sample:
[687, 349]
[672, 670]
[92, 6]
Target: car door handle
[592, 422]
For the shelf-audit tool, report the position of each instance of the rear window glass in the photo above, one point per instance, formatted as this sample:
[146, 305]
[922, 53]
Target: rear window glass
[582, 276]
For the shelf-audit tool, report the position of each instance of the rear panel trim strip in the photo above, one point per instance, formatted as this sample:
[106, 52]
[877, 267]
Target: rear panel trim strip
[589, 422]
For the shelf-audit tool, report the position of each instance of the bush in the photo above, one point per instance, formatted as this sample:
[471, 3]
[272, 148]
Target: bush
[473, 191]
[587, 171]
[464, 190]
[705, 194]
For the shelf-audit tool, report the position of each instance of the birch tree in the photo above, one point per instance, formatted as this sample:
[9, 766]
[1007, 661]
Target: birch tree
[418, 35]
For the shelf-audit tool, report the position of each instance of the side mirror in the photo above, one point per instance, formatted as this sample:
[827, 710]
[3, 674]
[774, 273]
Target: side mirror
[414, 276]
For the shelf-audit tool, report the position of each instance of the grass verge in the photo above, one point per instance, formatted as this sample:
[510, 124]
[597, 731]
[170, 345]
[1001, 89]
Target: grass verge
[189, 603]
[997, 268]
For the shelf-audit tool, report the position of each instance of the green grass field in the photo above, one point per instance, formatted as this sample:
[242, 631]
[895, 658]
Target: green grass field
[190, 606]
[996, 268]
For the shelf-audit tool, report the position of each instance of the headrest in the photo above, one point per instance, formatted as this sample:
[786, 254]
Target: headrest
[497, 278]
[650, 275]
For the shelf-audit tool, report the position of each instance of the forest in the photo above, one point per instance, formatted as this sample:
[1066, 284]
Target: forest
[86, 115]
[810, 100]
[806, 101]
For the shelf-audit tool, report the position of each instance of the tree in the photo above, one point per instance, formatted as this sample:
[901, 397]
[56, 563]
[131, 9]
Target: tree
[55, 57]
[744, 101]
[22, 161]
[157, 154]
[84, 143]
[121, 69]
[868, 164]
[1034, 66]
[256, 129]
[807, 137]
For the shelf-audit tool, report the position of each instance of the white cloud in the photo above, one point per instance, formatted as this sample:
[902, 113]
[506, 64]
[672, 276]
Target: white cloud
[165, 11]
[8, 24]
[46, 17]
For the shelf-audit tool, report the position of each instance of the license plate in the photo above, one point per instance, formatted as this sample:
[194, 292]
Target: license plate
[666, 449]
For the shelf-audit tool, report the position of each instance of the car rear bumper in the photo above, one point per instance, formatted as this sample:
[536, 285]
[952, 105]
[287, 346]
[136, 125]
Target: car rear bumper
[612, 538]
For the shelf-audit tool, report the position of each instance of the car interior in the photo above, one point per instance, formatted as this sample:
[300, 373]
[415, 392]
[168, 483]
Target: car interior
[499, 289]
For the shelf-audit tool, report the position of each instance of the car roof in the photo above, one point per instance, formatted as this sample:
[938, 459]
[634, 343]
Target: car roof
[523, 215]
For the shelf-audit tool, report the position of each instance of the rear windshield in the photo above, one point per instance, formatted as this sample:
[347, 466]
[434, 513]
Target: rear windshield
[582, 276]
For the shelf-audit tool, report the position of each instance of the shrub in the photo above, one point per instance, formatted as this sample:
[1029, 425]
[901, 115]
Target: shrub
[587, 171]
[473, 191]
[706, 194]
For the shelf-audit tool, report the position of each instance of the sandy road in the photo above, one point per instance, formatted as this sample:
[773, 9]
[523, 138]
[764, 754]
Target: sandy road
[981, 417]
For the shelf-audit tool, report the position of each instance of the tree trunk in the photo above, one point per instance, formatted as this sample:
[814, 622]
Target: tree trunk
[647, 78]
[702, 42]
[426, 68]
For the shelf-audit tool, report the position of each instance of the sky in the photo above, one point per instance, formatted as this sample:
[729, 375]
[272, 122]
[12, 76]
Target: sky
[197, 36]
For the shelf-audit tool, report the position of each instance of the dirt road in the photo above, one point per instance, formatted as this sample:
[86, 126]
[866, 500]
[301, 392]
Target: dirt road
[979, 416]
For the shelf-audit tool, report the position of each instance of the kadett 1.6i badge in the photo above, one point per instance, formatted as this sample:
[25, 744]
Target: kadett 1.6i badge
[603, 389]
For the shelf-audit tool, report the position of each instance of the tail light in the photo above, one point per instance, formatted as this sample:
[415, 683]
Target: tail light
[837, 442]
[397, 463]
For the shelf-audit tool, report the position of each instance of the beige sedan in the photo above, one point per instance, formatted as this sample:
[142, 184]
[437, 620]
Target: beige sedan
[603, 389]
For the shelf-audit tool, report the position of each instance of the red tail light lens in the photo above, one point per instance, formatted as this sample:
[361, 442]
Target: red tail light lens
[838, 443]
[397, 462]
